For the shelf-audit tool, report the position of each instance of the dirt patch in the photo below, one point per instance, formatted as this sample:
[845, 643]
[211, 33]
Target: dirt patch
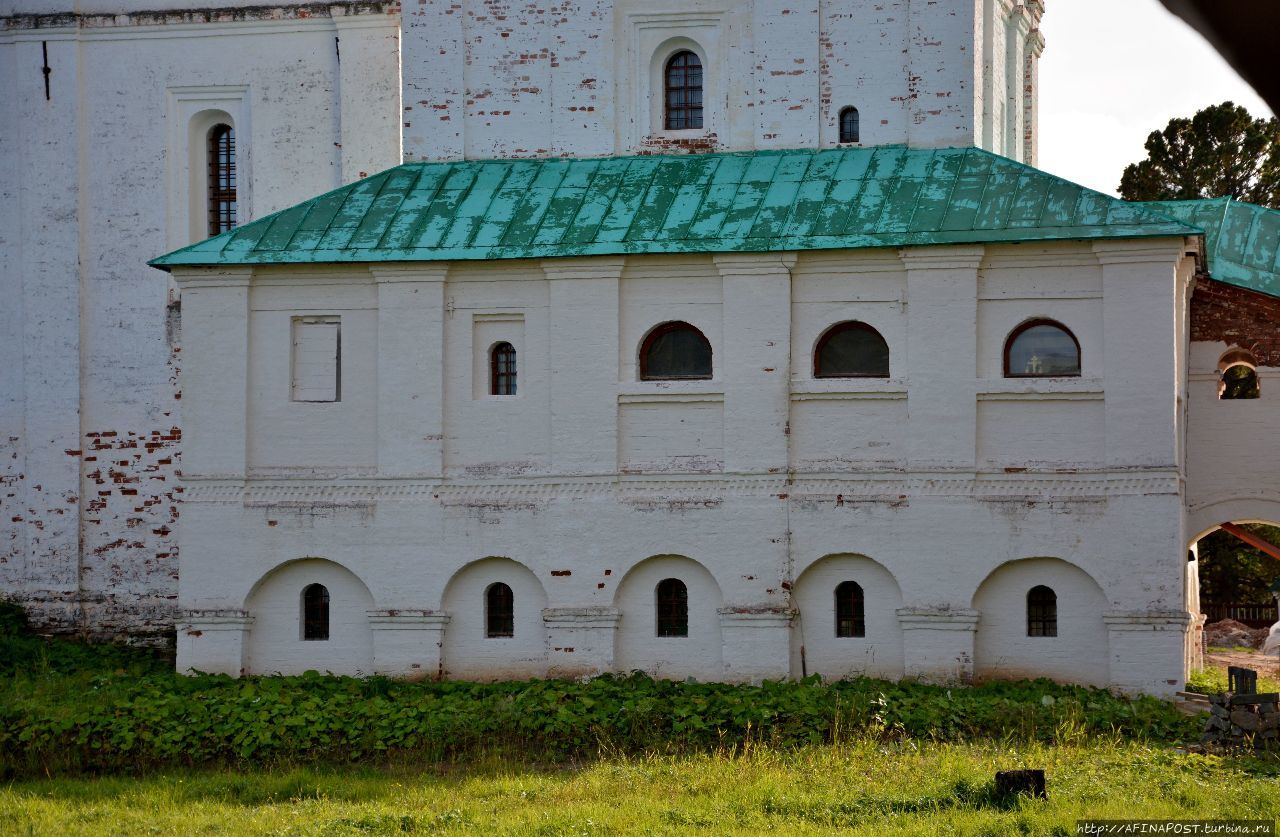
[1229, 633]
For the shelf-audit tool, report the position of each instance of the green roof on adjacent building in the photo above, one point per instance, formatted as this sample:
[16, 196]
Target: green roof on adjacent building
[1242, 240]
[887, 196]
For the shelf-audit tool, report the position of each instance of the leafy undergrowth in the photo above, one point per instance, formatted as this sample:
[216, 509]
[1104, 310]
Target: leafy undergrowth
[862, 787]
[68, 708]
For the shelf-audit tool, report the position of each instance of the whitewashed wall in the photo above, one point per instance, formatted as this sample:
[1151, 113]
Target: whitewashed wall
[497, 79]
[94, 181]
[551, 478]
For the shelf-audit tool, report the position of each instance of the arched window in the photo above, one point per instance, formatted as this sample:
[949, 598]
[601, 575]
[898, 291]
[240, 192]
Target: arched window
[1041, 349]
[1042, 611]
[221, 163]
[502, 369]
[315, 612]
[851, 350]
[849, 124]
[673, 608]
[499, 611]
[850, 610]
[1238, 376]
[675, 351]
[683, 81]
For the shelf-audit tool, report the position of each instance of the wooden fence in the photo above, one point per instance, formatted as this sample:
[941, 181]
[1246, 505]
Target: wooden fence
[1253, 615]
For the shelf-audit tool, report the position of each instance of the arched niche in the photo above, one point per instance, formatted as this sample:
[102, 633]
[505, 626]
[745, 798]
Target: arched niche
[637, 644]
[470, 652]
[277, 643]
[876, 654]
[1078, 653]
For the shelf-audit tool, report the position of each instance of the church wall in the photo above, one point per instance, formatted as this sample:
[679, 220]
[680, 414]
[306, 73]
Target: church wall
[1232, 474]
[97, 176]
[661, 473]
[487, 79]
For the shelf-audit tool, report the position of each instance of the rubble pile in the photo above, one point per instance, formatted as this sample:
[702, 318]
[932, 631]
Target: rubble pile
[1238, 720]
[1229, 633]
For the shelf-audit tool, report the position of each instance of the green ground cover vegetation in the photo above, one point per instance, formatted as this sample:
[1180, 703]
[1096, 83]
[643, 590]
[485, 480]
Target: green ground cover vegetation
[100, 739]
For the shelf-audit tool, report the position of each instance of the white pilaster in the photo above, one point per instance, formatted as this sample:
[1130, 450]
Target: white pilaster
[580, 639]
[756, 643]
[212, 641]
[938, 643]
[1148, 650]
[407, 643]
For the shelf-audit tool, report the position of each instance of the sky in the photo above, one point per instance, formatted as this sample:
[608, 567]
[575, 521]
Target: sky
[1112, 72]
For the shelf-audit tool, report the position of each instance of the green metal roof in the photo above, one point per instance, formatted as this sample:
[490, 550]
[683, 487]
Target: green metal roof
[887, 196]
[1242, 240]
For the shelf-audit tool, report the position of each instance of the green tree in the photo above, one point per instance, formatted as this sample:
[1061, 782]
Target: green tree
[1233, 571]
[1220, 151]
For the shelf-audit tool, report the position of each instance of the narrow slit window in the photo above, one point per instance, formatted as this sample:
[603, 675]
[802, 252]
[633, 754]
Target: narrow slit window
[683, 106]
[499, 611]
[315, 612]
[317, 359]
[673, 607]
[851, 618]
[502, 369]
[221, 160]
[1042, 611]
[849, 127]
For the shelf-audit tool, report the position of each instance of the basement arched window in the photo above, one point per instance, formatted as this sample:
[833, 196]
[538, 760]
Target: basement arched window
[851, 350]
[675, 351]
[221, 163]
[499, 611]
[851, 620]
[1041, 349]
[1238, 376]
[1042, 611]
[315, 612]
[673, 607]
[849, 128]
[502, 369]
[683, 82]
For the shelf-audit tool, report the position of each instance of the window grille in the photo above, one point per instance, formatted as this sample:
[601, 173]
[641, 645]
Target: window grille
[1042, 611]
[673, 608]
[499, 611]
[315, 612]
[222, 179]
[502, 369]
[849, 124]
[850, 610]
[683, 91]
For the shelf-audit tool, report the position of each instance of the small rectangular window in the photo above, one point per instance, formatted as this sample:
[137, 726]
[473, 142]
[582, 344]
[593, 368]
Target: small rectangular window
[317, 359]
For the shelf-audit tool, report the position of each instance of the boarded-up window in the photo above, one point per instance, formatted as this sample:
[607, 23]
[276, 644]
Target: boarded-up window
[317, 359]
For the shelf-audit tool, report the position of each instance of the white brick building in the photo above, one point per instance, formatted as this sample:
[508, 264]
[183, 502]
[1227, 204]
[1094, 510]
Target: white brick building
[347, 415]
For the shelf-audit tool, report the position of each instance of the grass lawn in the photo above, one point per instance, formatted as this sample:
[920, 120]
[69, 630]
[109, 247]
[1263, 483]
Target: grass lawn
[860, 787]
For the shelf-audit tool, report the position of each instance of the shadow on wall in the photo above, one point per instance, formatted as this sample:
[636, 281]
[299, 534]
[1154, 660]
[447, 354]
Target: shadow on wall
[847, 630]
[310, 614]
[655, 645]
[495, 629]
[1041, 617]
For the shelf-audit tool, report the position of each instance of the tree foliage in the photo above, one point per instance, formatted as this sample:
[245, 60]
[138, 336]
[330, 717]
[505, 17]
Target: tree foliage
[1233, 571]
[1221, 151]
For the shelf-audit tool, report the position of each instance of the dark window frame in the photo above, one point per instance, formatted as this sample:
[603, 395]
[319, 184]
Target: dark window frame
[503, 369]
[682, 78]
[850, 124]
[836, 330]
[220, 165]
[659, 331]
[1042, 611]
[499, 611]
[1027, 326]
[851, 610]
[315, 613]
[671, 608]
